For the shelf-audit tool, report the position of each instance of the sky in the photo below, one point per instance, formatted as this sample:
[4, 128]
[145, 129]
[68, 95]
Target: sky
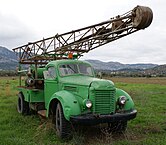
[23, 21]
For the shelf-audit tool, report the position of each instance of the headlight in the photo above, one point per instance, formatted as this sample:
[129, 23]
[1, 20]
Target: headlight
[122, 100]
[88, 104]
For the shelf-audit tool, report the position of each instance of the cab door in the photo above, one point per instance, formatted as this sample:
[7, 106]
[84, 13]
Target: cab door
[50, 83]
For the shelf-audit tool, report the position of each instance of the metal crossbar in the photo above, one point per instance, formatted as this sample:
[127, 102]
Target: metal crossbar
[83, 40]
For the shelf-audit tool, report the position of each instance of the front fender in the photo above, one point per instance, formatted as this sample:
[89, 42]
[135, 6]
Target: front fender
[129, 104]
[69, 103]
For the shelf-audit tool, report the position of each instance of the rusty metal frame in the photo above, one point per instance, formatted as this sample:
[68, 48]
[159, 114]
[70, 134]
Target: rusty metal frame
[77, 41]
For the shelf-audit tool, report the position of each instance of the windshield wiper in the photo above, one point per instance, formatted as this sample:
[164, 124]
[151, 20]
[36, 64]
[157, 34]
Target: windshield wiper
[72, 69]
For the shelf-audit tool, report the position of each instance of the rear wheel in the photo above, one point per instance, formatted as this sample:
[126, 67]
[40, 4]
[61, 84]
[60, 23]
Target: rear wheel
[118, 127]
[63, 126]
[22, 105]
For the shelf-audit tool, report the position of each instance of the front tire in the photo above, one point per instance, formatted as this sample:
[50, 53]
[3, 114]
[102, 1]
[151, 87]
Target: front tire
[22, 105]
[63, 126]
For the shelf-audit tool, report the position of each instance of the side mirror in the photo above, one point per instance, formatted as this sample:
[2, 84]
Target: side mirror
[46, 74]
[99, 75]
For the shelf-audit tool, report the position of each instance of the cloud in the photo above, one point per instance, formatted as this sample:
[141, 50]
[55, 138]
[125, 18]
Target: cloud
[27, 21]
[12, 31]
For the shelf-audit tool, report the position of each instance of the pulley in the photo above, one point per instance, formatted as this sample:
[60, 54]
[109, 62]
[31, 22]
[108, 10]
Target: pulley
[142, 17]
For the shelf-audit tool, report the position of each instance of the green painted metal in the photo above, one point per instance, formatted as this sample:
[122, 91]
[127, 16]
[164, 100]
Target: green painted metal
[69, 101]
[73, 89]
[50, 88]
[39, 71]
[104, 101]
[32, 95]
[129, 104]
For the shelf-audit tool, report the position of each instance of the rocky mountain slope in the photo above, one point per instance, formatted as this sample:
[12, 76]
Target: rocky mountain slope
[158, 70]
[8, 61]
[112, 66]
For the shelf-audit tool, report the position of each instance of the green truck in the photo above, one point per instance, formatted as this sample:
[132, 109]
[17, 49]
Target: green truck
[61, 87]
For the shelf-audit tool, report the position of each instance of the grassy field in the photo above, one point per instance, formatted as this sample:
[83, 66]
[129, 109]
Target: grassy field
[149, 127]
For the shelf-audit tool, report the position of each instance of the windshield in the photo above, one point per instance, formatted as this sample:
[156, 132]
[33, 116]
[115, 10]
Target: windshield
[71, 69]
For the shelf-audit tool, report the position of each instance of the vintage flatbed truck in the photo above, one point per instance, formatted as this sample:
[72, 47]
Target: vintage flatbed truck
[61, 87]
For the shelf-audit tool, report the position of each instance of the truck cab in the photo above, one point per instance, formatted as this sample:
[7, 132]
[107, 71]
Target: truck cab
[69, 93]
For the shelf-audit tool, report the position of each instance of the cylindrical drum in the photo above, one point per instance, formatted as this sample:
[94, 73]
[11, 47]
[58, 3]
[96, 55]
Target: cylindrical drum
[141, 17]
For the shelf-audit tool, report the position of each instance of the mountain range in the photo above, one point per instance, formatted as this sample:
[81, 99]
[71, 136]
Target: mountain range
[8, 61]
[112, 66]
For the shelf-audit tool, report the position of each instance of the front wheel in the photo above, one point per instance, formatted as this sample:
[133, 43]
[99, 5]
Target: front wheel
[22, 105]
[63, 126]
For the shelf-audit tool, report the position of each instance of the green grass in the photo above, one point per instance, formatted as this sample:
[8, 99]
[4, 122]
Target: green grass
[150, 101]
[148, 128]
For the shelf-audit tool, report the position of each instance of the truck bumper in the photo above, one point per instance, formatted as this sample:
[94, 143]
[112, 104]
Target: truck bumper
[93, 119]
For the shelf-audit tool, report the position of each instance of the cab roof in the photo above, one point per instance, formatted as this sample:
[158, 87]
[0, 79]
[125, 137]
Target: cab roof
[66, 61]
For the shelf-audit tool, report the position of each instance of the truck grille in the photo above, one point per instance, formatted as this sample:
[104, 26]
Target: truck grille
[104, 101]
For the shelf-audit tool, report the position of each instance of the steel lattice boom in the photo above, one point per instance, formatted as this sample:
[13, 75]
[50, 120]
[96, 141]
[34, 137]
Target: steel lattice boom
[85, 39]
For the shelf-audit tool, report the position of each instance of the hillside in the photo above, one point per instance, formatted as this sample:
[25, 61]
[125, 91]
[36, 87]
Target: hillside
[158, 70]
[113, 66]
[8, 59]
[119, 69]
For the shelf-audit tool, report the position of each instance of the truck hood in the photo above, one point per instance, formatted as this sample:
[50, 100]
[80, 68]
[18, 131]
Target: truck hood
[87, 81]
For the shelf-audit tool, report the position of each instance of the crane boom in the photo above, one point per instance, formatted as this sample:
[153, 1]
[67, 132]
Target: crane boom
[85, 39]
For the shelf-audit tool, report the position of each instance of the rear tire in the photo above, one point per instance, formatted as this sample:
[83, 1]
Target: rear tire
[22, 105]
[63, 126]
